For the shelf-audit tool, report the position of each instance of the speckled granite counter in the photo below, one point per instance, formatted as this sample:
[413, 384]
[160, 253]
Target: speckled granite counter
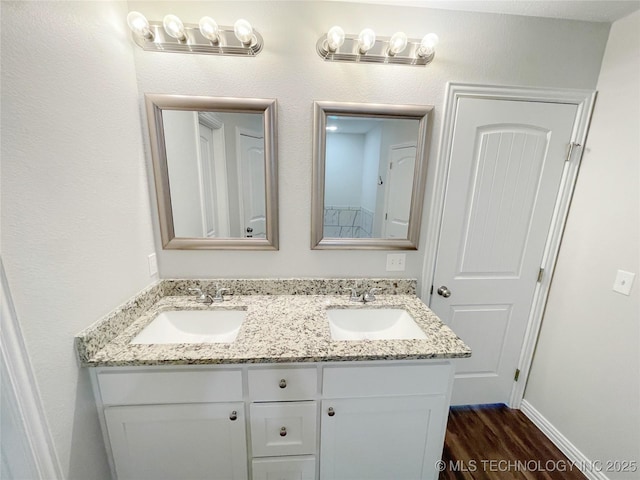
[279, 327]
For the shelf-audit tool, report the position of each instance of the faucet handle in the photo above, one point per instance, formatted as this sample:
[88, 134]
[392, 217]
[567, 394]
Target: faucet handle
[354, 294]
[202, 297]
[370, 295]
[220, 294]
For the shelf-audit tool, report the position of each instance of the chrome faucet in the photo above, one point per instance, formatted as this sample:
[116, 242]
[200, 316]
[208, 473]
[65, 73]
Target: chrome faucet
[219, 297]
[369, 296]
[202, 297]
[354, 294]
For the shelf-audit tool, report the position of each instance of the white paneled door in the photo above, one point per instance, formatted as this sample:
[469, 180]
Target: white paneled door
[398, 193]
[506, 165]
[252, 183]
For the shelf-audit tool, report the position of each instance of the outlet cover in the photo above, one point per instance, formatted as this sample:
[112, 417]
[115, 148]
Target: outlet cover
[153, 265]
[396, 262]
[623, 282]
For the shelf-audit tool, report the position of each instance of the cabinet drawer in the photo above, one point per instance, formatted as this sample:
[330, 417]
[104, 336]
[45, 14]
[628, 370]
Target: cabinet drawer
[283, 384]
[371, 381]
[283, 428]
[171, 386]
[284, 468]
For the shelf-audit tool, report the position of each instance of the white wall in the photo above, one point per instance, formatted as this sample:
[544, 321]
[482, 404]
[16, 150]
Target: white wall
[76, 222]
[343, 170]
[585, 377]
[182, 142]
[480, 48]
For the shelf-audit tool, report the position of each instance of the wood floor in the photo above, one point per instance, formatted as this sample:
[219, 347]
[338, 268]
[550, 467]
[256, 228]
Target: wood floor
[496, 442]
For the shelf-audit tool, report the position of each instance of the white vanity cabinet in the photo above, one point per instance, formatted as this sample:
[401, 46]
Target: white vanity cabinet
[383, 422]
[173, 423]
[333, 421]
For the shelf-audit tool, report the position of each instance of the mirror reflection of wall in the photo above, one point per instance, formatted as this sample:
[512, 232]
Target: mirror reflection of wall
[216, 167]
[369, 171]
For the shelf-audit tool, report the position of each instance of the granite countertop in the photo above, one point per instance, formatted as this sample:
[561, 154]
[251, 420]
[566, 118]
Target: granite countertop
[278, 328]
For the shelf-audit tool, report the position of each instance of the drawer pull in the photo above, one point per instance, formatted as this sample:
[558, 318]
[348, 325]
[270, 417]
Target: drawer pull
[331, 412]
[283, 383]
[233, 416]
[283, 432]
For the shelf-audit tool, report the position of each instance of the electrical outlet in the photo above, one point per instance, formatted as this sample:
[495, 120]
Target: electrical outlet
[395, 262]
[153, 265]
[623, 282]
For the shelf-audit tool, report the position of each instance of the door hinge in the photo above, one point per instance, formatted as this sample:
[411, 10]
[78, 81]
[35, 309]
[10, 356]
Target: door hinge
[390, 165]
[540, 274]
[572, 145]
[517, 375]
[431, 292]
[386, 215]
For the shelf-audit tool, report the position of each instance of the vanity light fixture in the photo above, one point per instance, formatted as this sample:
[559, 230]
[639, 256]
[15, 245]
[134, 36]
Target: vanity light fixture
[365, 47]
[206, 37]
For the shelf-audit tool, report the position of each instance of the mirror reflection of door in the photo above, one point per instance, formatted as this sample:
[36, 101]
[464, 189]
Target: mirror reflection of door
[402, 161]
[213, 176]
[252, 183]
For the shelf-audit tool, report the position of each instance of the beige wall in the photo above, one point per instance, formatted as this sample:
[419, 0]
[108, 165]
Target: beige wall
[585, 377]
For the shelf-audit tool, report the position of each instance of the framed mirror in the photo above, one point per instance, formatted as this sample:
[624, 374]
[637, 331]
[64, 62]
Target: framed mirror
[215, 169]
[369, 175]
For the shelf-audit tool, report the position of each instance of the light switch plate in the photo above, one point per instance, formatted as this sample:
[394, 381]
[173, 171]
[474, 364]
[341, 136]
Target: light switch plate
[396, 262]
[623, 282]
[153, 265]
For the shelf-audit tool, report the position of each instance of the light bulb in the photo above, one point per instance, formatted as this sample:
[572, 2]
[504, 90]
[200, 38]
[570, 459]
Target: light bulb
[428, 45]
[139, 25]
[335, 38]
[397, 43]
[243, 31]
[366, 40]
[174, 27]
[209, 29]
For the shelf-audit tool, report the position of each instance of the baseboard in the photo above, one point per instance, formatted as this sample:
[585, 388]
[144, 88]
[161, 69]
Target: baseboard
[574, 455]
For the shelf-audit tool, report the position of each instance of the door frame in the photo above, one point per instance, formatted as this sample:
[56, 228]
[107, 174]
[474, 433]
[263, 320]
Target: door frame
[221, 207]
[584, 100]
[24, 407]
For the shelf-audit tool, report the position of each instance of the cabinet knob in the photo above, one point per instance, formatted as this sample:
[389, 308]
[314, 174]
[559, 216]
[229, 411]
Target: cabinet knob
[283, 432]
[233, 416]
[331, 412]
[283, 383]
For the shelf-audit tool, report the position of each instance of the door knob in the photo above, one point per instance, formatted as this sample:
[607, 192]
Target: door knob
[444, 292]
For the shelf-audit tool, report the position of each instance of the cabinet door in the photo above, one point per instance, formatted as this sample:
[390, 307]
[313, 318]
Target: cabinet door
[382, 438]
[175, 442]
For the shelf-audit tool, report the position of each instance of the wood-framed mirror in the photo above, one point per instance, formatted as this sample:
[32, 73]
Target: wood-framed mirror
[215, 171]
[369, 175]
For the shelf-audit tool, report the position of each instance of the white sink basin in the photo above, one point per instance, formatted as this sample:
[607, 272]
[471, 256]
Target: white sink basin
[192, 326]
[373, 324]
